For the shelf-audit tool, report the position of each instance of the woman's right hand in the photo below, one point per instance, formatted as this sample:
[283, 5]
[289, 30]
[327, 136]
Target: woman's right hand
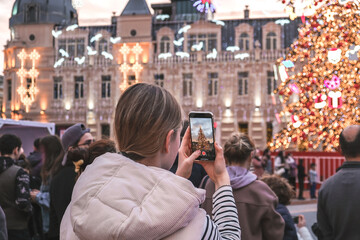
[217, 169]
[302, 221]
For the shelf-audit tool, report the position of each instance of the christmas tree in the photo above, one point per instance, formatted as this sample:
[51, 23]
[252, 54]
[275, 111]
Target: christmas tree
[202, 144]
[320, 79]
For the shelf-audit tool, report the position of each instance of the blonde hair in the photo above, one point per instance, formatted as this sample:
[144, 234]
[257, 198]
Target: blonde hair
[144, 115]
[238, 148]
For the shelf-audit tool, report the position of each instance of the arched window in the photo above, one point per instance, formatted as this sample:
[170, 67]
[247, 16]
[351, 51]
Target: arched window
[31, 13]
[244, 42]
[103, 45]
[165, 44]
[271, 41]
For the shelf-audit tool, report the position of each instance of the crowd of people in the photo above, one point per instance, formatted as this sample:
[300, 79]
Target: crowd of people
[147, 185]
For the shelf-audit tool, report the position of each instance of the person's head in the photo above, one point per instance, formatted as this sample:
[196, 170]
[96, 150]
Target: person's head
[288, 154]
[76, 136]
[238, 149]
[313, 166]
[10, 145]
[350, 143]
[51, 149]
[37, 145]
[280, 187]
[301, 161]
[147, 125]
[266, 152]
[99, 148]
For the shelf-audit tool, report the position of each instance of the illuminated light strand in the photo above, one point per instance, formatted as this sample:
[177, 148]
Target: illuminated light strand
[27, 93]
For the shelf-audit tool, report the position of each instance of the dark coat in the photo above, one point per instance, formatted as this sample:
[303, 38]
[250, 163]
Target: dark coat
[338, 213]
[290, 230]
[60, 196]
[3, 229]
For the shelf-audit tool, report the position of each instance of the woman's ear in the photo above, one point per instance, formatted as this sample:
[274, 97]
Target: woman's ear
[168, 141]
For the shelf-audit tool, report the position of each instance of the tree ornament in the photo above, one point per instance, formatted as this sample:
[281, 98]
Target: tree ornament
[320, 101]
[335, 100]
[334, 55]
[333, 84]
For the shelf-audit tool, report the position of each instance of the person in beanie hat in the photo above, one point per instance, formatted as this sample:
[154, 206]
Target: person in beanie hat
[76, 136]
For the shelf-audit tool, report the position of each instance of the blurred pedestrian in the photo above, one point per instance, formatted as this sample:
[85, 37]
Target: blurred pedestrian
[313, 177]
[63, 181]
[301, 177]
[258, 163]
[35, 159]
[15, 190]
[291, 168]
[284, 192]
[254, 200]
[339, 196]
[267, 160]
[279, 165]
[51, 149]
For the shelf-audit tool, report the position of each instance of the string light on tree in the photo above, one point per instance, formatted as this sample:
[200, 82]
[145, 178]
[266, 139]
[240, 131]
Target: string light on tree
[27, 89]
[327, 74]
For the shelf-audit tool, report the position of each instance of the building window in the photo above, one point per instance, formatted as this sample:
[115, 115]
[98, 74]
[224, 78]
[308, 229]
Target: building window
[159, 79]
[131, 79]
[244, 128]
[209, 42]
[243, 79]
[103, 46]
[187, 84]
[32, 14]
[79, 87]
[105, 130]
[105, 86]
[73, 47]
[58, 89]
[165, 44]
[271, 82]
[269, 131]
[9, 89]
[244, 42]
[271, 41]
[213, 79]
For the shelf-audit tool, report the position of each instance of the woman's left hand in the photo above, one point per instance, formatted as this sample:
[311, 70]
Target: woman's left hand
[186, 158]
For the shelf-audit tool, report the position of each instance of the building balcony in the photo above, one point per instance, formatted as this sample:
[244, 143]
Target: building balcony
[95, 61]
[225, 56]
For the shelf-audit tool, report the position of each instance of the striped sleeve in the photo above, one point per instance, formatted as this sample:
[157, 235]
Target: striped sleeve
[225, 223]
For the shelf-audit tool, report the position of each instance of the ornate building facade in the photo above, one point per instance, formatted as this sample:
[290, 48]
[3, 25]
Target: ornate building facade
[226, 67]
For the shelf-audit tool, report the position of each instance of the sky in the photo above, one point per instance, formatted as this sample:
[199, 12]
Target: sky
[205, 124]
[95, 12]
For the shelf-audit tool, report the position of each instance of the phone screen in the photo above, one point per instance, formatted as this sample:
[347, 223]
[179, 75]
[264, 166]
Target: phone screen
[202, 135]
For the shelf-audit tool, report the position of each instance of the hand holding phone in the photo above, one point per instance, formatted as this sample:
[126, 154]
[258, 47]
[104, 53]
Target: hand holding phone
[217, 169]
[186, 156]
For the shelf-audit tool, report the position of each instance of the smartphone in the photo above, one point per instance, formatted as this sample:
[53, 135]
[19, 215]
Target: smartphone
[296, 219]
[202, 134]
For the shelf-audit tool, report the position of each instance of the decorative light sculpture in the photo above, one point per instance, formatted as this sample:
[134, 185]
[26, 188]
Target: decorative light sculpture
[27, 92]
[125, 67]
